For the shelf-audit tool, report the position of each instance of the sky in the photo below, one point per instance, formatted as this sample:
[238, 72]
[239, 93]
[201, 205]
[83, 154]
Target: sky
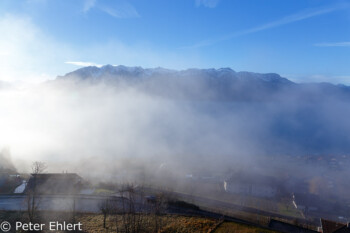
[303, 40]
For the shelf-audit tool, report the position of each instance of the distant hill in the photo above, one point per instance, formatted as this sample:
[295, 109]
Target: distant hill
[222, 84]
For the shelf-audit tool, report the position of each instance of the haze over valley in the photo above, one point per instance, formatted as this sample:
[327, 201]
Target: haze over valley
[118, 122]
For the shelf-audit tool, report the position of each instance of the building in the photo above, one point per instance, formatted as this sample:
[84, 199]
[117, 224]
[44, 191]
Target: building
[328, 226]
[54, 183]
[8, 182]
[288, 228]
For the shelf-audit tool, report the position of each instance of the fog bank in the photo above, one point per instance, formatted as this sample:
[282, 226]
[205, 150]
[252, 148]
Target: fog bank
[108, 131]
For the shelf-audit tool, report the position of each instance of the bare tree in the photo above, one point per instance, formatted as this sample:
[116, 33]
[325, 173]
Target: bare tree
[38, 167]
[131, 198]
[32, 192]
[74, 212]
[158, 206]
[105, 207]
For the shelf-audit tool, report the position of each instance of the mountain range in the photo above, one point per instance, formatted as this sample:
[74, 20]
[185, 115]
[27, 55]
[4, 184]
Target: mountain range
[222, 84]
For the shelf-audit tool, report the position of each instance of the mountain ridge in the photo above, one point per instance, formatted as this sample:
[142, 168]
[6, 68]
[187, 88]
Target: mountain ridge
[121, 69]
[223, 84]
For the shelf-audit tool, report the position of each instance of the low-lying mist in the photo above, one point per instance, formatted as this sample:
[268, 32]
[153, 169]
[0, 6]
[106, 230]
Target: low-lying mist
[103, 127]
[113, 132]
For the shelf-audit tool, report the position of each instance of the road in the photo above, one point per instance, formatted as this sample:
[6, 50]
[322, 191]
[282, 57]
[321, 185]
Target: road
[81, 203]
[88, 203]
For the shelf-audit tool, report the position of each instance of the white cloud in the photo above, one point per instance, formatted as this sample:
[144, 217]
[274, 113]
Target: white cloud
[334, 44]
[36, 1]
[88, 4]
[291, 19]
[123, 10]
[207, 3]
[283, 21]
[82, 63]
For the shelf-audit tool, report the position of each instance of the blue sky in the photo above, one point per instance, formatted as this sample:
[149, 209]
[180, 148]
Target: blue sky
[304, 40]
